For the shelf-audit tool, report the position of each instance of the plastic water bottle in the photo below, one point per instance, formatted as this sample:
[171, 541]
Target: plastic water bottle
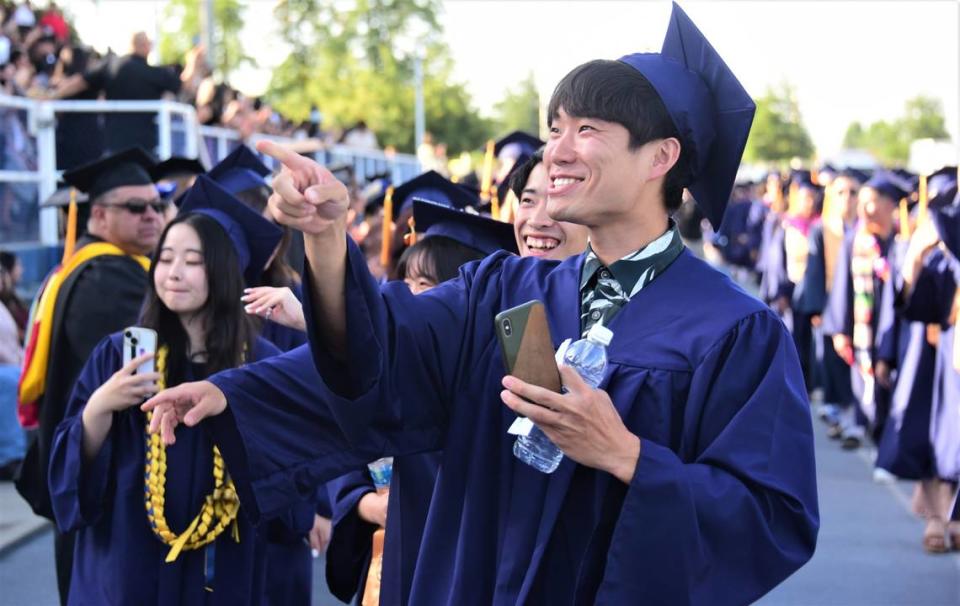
[589, 357]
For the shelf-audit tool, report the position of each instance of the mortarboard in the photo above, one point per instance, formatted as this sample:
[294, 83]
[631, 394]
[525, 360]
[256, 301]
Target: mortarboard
[254, 237]
[176, 166]
[432, 186]
[240, 170]
[888, 184]
[517, 144]
[480, 233]
[709, 107]
[947, 221]
[61, 197]
[131, 166]
[852, 173]
[941, 181]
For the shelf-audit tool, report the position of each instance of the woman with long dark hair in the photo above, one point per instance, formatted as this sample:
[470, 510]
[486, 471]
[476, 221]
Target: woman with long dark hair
[155, 524]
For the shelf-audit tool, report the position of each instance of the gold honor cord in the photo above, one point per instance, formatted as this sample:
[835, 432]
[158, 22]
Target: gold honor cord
[219, 508]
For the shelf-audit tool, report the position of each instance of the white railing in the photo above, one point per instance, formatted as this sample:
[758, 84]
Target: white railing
[29, 155]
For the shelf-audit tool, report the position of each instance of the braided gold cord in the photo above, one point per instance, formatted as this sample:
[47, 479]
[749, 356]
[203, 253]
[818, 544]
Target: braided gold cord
[219, 508]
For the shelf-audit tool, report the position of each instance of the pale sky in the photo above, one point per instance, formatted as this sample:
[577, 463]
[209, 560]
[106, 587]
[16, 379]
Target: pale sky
[854, 60]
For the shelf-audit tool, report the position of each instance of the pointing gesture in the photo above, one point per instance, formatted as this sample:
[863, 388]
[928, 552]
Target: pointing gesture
[306, 196]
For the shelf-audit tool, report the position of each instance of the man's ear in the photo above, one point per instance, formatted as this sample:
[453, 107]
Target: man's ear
[666, 152]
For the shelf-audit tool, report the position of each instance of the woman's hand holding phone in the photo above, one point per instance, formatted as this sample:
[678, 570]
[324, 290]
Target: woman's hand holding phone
[125, 388]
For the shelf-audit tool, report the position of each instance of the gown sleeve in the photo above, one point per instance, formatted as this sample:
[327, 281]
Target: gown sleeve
[737, 507]
[351, 543]
[79, 489]
[932, 294]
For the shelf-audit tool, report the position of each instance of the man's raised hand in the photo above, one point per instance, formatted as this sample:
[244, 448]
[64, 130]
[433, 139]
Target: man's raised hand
[306, 196]
[188, 403]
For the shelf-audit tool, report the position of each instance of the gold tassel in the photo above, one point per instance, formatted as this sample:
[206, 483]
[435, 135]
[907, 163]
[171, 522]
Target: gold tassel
[387, 232]
[486, 183]
[922, 212]
[70, 241]
[904, 221]
[495, 205]
[410, 238]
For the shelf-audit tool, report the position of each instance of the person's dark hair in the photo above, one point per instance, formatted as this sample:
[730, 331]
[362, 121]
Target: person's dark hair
[230, 332]
[519, 178]
[279, 272]
[8, 260]
[436, 258]
[615, 92]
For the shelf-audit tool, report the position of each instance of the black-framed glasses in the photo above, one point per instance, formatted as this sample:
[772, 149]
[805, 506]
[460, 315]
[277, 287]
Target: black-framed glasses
[138, 207]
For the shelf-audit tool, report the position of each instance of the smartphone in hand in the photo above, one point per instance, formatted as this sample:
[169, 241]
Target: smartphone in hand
[526, 345]
[136, 342]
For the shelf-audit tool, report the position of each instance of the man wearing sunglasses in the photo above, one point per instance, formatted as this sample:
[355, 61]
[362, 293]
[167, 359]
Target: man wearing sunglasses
[100, 292]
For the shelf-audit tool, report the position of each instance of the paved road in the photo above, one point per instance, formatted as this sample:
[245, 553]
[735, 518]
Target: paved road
[869, 551]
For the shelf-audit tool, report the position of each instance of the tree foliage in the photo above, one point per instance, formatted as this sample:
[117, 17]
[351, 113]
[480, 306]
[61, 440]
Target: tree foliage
[182, 29]
[356, 62]
[778, 133]
[520, 108]
[890, 141]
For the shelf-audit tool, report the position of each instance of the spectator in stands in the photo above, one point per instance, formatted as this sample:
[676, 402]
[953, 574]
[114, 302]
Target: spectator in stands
[125, 78]
[79, 134]
[360, 137]
[12, 439]
[12, 268]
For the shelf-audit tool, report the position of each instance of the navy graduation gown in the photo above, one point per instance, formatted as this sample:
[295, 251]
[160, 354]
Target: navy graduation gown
[726, 467]
[904, 449]
[772, 261]
[118, 559]
[930, 301]
[734, 238]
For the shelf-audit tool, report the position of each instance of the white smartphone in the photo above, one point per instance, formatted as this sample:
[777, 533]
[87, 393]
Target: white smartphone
[136, 342]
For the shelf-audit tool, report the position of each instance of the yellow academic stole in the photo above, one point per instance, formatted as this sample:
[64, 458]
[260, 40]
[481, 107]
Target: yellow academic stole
[219, 508]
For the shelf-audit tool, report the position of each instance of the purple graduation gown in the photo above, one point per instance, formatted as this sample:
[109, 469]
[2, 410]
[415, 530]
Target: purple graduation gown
[722, 506]
[118, 559]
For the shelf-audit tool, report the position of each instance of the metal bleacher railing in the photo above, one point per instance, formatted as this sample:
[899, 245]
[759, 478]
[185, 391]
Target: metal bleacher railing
[29, 171]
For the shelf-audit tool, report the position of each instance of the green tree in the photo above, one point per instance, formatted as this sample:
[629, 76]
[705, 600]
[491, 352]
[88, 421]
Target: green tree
[890, 141]
[181, 27]
[357, 63]
[520, 108]
[778, 133]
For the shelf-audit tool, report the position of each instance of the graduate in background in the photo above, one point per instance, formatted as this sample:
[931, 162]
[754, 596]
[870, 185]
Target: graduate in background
[173, 534]
[856, 300]
[838, 218]
[929, 293]
[704, 395]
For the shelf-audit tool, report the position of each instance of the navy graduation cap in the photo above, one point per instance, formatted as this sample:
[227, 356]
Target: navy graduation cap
[478, 232]
[708, 105]
[132, 166]
[240, 170]
[941, 181]
[517, 144]
[852, 173]
[947, 221]
[432, 186]
[254, 237]
[888, 184]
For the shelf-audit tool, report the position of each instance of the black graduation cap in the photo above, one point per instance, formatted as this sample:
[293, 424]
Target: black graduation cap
[177, 166]
[709, 107]
[432, 186]
[517, 144]
[240, 170]
[132, 166]
[889, 184]
[254, 237]
[478, 232]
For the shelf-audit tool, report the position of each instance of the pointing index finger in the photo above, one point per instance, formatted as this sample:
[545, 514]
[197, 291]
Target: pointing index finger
[285, 156]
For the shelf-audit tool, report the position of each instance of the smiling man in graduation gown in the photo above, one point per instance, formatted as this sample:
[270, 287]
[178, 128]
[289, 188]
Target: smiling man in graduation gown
[688, 477]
